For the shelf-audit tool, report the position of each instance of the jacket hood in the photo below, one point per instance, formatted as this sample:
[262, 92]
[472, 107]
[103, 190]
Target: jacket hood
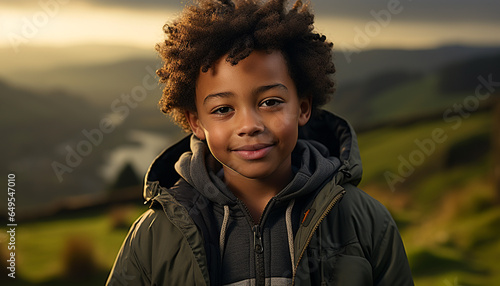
[326, 144]
[338, 136]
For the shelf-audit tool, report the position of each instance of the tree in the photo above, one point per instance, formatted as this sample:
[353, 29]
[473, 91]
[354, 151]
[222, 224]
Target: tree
[126, 178]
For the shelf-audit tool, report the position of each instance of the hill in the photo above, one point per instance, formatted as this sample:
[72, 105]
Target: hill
[98, 83]
[441, 194]
[101, 73]
[41, 58]
[399, 95]
[39, 125]
[359, 66]
[57, 145]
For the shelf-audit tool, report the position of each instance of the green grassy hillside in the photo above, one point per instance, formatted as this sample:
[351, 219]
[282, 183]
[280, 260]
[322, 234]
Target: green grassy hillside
[395, 95]
[444, 201]
[44, 248]
[417, 97]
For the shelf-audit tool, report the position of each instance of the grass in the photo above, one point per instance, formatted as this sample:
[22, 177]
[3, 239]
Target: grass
[40, 245]
[380, 149]
[447, 215]
[412, 98]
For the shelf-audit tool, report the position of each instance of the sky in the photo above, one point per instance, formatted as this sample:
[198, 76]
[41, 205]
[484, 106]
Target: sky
[354, 24]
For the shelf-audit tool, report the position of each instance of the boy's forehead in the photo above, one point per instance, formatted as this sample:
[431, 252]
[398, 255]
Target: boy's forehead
[257, 60]
[260, 68]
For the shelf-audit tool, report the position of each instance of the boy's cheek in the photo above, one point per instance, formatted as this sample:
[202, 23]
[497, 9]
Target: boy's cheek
[283, 122]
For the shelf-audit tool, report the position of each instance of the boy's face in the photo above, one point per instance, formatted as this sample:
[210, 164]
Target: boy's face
[249, 114]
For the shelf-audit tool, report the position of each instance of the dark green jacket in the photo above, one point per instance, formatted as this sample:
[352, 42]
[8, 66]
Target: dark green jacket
[345, 237]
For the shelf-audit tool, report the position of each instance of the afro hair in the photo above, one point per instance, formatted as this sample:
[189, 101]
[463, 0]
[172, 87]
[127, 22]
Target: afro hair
[215, 28]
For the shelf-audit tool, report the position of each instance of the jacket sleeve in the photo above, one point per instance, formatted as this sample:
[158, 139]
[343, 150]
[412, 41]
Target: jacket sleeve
[390, 263]
[129, 268]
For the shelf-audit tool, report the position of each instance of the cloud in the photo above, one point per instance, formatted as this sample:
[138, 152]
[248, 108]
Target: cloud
[419, 23]
[437, 11]
[146, 4]
[433, 11]
[417, 11]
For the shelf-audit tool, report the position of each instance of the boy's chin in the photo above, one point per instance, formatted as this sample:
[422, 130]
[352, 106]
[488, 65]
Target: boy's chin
[249, 173]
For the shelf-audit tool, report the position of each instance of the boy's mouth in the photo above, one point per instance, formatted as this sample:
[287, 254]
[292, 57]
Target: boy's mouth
[254, 151]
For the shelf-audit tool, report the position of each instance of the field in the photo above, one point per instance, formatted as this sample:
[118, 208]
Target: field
[446, 208]
[45, 248]
[442, 198]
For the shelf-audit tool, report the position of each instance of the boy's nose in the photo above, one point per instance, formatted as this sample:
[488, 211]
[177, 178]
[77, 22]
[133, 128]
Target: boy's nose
[249, 124]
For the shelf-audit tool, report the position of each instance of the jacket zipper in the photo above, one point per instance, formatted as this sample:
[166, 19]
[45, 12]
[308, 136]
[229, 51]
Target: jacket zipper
[258, 247]
[260, 275]
[325, 213]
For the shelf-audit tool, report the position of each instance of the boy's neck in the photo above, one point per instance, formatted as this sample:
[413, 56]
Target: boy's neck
[256, 193]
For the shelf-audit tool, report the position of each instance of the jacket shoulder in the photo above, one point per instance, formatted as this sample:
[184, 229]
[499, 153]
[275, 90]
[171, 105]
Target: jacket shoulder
[150, 221]
[134, 263]
[158, 251]
[150, 228]
[370, 224]
[364, 219]
[360, 204]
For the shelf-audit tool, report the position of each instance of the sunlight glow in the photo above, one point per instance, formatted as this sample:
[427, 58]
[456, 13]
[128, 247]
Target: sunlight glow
[79, 23]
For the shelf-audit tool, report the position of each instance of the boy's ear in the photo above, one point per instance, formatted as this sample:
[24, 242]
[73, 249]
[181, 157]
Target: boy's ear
[305, 110]
[194, 123]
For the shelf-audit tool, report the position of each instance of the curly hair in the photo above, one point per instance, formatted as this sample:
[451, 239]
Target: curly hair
[206, 32]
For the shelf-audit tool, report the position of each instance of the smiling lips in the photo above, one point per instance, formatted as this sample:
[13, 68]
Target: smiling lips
[253, 152]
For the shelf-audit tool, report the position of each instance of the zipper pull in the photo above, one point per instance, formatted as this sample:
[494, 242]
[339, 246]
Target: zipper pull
[257, 239]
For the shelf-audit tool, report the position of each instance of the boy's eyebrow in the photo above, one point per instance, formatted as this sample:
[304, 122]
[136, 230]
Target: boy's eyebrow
[259, 90]
[215, 95]
[265, 88]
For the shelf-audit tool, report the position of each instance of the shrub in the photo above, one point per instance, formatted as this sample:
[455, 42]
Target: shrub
[79, 259]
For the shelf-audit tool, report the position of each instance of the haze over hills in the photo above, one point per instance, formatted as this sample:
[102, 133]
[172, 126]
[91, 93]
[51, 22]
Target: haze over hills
[39, 126]
[101, 73]
[47, 106]
[406, 93]
[58, 145]
[352, 67]
[41, 58]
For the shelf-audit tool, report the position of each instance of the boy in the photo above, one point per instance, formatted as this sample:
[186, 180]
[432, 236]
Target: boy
[263, 192]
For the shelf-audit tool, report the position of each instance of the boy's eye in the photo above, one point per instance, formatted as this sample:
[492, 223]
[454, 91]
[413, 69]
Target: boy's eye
[222, 110]
[271, 102]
